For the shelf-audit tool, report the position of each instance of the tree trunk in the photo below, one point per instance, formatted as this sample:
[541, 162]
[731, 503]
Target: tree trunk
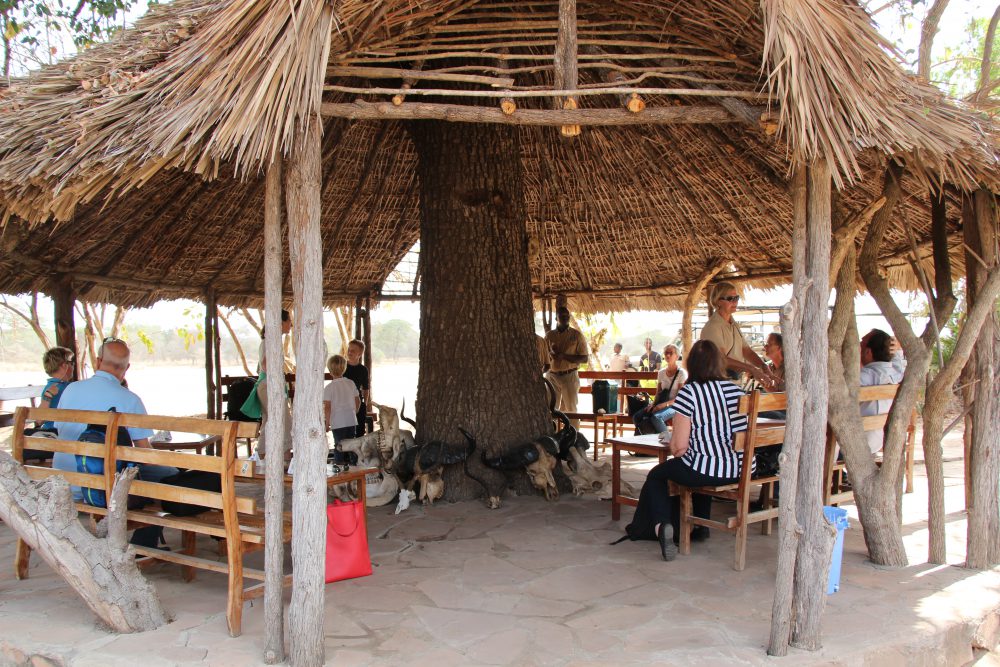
[64, 297]
[211, 308]
[983, 541]
[102, 571]
[305, 615]
[236, 341]
[812, 562]
[274, 482]
[789, 529]
[478, 358]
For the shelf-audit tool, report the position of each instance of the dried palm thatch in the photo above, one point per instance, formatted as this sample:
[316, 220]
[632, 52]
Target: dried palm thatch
[149, 149]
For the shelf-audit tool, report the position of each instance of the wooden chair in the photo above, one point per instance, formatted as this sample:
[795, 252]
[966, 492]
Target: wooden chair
[758, 435]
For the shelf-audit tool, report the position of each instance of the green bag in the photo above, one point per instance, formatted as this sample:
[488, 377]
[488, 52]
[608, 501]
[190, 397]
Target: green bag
[251, 407]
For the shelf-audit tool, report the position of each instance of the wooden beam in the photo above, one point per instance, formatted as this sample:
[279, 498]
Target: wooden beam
[564, 62]
[614, 77]
[542, 93]
[460, 113]
[414, 75]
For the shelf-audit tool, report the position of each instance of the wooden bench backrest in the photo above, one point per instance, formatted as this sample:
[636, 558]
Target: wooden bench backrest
[224, 465]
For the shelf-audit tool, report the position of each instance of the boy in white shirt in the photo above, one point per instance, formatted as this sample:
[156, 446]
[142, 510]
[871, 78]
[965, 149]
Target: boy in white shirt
[340, 401]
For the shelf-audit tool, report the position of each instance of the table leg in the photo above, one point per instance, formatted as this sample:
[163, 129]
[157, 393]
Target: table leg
[616, 481]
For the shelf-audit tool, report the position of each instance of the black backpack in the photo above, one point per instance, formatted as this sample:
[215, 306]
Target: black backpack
[191, 479]
[239, 392]
[96, 433]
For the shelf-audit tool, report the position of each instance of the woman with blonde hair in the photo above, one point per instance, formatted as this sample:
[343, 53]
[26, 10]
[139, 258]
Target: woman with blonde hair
[725, 332]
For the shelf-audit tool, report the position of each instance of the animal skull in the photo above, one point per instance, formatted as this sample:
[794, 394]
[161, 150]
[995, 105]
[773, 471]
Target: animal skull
[589, 478]
[540, 473]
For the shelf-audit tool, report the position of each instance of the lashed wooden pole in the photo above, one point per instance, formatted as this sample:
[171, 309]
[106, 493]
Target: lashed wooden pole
[274, 491]
[565, 61]
[210, 386]
[63, 298]
[303, 182]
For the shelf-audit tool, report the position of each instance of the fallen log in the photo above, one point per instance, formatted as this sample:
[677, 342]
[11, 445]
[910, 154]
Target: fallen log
[102, 571]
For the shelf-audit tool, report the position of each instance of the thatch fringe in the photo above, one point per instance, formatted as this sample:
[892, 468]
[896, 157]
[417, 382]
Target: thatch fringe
[841, 92]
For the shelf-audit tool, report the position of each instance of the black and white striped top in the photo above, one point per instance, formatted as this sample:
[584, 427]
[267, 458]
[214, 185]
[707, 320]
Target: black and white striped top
[712, 408]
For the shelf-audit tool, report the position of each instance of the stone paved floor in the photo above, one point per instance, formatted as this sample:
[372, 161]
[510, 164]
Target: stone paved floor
[537, 583]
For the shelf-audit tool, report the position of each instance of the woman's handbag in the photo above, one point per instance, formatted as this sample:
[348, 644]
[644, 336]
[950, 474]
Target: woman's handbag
[346, 541]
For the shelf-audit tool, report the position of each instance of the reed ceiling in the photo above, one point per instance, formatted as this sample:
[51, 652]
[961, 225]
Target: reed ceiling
[136, 168]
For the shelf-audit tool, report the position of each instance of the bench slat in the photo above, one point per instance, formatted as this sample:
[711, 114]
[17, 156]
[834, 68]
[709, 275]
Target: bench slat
[168, 458]
[64, 446]
[84, 479]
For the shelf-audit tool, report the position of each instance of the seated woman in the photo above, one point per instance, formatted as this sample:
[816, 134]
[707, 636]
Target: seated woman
[669, 381]
[702, 446]
[775, 353]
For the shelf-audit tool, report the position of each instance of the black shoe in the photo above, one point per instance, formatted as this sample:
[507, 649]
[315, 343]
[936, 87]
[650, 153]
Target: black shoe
[667, 547]
[699, 533]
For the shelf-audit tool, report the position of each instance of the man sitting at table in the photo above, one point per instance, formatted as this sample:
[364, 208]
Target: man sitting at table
[100, 393]
[877, 368]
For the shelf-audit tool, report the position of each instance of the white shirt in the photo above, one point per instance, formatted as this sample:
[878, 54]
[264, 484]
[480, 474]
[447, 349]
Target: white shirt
[340, 394]
[663, 380]
[876, 373]
[618, 362]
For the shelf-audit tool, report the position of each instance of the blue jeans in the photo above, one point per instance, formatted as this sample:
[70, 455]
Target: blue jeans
[656, 420]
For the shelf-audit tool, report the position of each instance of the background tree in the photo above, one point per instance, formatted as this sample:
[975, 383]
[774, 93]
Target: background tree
[39, 32]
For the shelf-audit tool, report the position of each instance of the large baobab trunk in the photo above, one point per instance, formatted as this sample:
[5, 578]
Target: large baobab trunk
[478, 361]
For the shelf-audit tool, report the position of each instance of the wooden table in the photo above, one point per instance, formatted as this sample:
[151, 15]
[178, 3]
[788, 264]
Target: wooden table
[188, 441]
[640, 444]
[355, 474]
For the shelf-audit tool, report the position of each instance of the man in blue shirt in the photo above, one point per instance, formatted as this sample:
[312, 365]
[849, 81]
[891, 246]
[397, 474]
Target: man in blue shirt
[101, 392]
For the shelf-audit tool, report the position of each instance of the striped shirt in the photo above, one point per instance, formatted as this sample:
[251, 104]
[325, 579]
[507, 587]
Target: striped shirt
[712, 408]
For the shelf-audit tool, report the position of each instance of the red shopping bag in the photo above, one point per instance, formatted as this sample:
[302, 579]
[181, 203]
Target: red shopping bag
[346, 541]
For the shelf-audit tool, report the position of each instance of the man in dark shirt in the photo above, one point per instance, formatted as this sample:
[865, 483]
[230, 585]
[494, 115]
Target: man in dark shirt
[357, 372]
[652, 359]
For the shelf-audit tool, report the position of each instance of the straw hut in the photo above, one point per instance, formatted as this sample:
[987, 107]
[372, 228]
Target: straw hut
[616, 152]
[150, 149]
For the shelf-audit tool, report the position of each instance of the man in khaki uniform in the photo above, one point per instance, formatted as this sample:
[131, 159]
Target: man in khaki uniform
[567, 350]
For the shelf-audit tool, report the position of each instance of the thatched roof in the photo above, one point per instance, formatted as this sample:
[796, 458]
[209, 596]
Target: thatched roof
[137, 166]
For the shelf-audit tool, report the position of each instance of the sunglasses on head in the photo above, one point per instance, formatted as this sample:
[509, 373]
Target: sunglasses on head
[112, 339]
[735, 297]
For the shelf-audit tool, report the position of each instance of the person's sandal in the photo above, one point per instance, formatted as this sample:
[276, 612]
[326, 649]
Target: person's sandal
[667, 547]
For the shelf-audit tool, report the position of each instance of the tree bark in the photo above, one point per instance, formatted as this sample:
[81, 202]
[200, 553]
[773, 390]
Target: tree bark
[928, 30]
[211, 307]
[64, 297]
[983, 540]
[875, 490]
[236, 341]
[304, 182]
[274, 487]
[105, 576]
[812, 562]
[789, 529]
[478, 359]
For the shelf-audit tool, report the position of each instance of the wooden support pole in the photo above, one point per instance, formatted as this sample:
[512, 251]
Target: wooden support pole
[565, 62]
[367, 320]
[217, 346]
[274, 492]
[63, 298]
[791, 324]
[304, 183]
[692, 298]
[210, 386]
[463, 113]
[813, 561]
[358, 303]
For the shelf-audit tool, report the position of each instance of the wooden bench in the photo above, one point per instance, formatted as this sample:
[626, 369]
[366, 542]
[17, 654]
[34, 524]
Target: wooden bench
[232, 518]
[759, 434]
[836, 490]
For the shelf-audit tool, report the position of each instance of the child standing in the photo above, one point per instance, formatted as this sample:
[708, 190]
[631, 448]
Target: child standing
[340, 401]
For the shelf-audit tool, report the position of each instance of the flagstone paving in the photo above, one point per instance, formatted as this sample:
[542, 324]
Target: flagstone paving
[537, 583]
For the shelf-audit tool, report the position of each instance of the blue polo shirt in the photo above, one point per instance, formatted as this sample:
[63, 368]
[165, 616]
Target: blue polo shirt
[100, 392]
